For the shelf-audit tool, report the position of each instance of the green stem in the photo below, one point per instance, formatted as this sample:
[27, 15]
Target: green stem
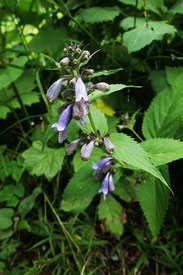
[61, 223]
[135, 133]
[93, 124]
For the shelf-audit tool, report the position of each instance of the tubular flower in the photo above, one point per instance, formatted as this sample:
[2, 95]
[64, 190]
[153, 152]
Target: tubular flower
[61, 125]
[107, 185]
[86, 150]
[108, 145]
[72, 146]
[102, 86]
[54, 90]
[81, 97]
[101, 164]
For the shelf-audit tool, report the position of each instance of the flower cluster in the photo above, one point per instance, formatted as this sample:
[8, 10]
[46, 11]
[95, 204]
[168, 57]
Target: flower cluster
[75, 92]
[103, 169]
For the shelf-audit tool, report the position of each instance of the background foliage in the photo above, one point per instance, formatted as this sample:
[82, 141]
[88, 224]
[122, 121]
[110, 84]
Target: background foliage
[44, 224]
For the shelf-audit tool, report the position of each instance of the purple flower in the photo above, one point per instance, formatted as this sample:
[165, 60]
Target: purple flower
[72, 146]
[108, 145]
[82, 97]
[102, 86]
[86, 150]
[61, 125]
[98, 166]
[54, 90]
[107, 185]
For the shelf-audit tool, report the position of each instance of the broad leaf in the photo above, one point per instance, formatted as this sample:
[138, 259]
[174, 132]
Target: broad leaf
[177, 8]
[5, 217]
[47, 162]
[163, 150]
[164, 116]
[125, 190]
[153, 197]
[12, 71]
[128, 151]
[99, 14]
[158, 80]
[143, 35]
[105, 72]
[80, 190]
[111, 211]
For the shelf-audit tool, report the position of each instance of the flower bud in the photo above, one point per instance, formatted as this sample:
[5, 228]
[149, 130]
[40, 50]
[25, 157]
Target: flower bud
[89, 72]
[72, 82]
[72, 146]
[65, 61]
[76, 112]
[65, 82]
[108, 145]
[78, 51]
[75, 61]
[102, 86]
[85, 55]
[68, 92]
[86, 150]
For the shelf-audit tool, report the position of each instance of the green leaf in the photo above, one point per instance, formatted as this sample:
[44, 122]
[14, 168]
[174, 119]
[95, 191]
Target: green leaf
[142, 35]
[12, 71]
[128, 151]
[80, 190]
[153, 197]
[27, 203]
[4, 110]
[49, 133]
[113, 88]
[99, 14]
[99, 120]
[125, 190]
[47, 162]
[5, 218]
[164, 116]
[111, 211]
[177, 7]
[154, 5]
[105, 72]
[95, 157]
[158, 80]
[163, 150]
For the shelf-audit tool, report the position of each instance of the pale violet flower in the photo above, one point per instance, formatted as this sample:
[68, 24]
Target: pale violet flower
[86, 150]
[98, 166]
[72, 146]
[61, 125]
[108, 145]
[54, 90]
[107, 185]
[81, 97]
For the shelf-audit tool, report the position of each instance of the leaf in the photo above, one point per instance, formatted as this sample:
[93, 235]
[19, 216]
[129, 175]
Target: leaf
[99, 14]
[47, 162]
[105, 72]
[153, 197]
[164, 116]
[111, 211]
[153, 5]
[27, 203]
[4, 110]
[163, 150]
[99, 120]
[158, 80]
[12, 71]
[113, 88]
[125, 190]
[128, 151]
[177, 7]
[49, 133]
[5, 218]
[142, 35]
[95, 157]
[80, 190]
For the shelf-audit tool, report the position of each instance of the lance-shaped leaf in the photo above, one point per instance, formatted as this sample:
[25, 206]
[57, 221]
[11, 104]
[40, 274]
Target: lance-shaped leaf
[130, 152]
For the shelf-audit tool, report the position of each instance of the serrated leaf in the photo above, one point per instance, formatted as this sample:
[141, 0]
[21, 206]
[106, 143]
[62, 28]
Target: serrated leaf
[12, 71]
[5, 218]
[4, 110]
[177, 7]
[128, 151]
[158, 80]
[125, 190]
[99, 120]
[47, 162]
[111, 211]
[163, 150]
[153, 5]
[95, 157]
[113, 88]
[164, 116]
[99, 14]
[143, 35]
[80, 190]
[153, 197]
